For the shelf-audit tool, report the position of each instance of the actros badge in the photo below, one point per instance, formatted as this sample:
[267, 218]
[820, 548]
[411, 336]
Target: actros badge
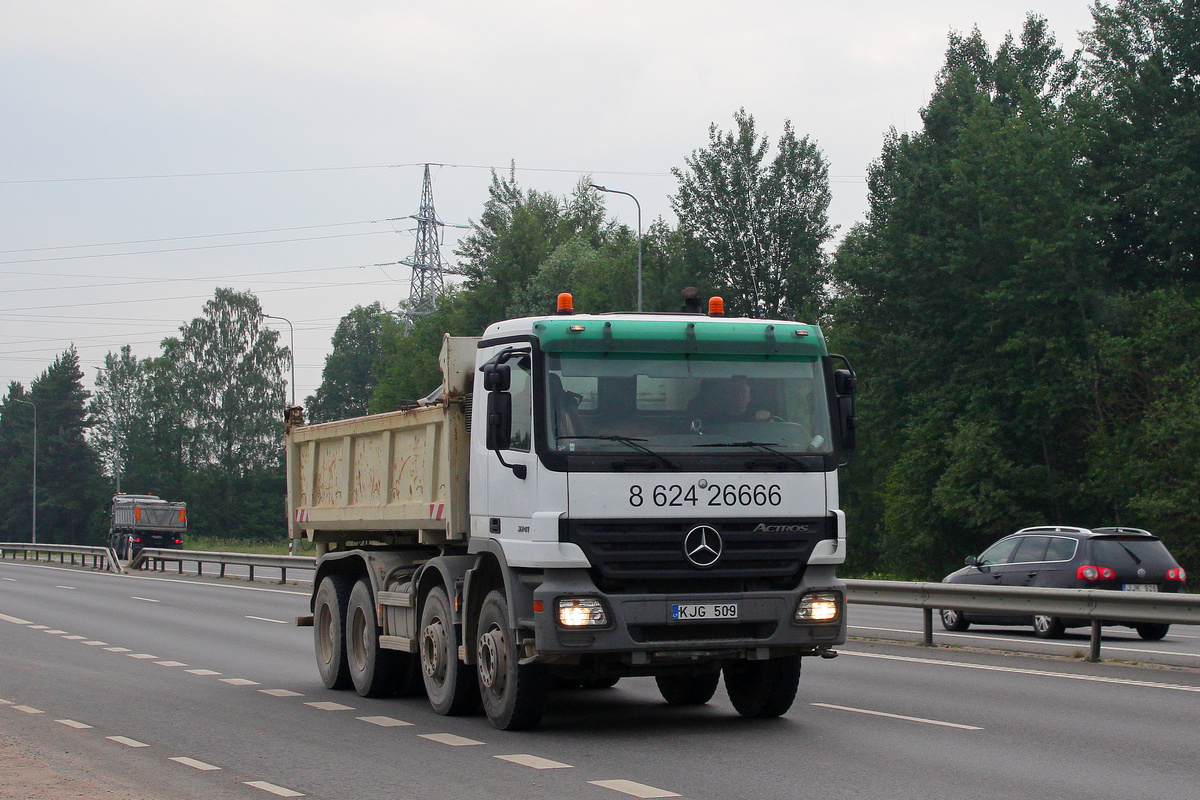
[703, 546]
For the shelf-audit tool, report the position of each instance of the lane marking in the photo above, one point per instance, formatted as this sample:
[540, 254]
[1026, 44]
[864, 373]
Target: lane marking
[54, 632]
[273, 789]
[39, 627]
[118, 649]
[6, 702]
[536, 762]
[140, 656]
[125, 740]
[268, 619]
[71, 588]
[74, 637]
[28, 709]
[70, 723]
[144, 599]
[170, 663]
[898, 716]
[328, 706]
[15, 620]
[1013, 640]
[239, 682]
[385, 722]
[450, 739]
[10, 580]
[1019, 671]
[193, 763]
[281, 692]
[633, 788]
[206, 673]
[95, 643]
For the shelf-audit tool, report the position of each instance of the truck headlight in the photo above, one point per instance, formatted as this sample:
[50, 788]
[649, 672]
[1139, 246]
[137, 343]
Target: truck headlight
[580, 612]
[818, 607]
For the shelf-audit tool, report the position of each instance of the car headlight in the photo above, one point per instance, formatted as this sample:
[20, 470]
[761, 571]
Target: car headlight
[818, 607]
[581, 612]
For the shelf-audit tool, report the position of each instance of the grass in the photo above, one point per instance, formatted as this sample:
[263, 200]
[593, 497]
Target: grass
[220, 545]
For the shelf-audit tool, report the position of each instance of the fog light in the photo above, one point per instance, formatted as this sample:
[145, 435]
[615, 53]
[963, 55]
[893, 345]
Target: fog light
[578, 612]
[817, 607]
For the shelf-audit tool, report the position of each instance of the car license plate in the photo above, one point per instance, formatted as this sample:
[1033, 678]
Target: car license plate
[1140, 587]
[681, 611]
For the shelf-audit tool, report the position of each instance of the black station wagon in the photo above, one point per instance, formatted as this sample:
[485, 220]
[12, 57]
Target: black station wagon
[1128, 559]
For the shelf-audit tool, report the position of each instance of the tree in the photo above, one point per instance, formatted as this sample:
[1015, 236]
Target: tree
[762, 226]
[964, 300]
[116, 411]
[348, 379]
[227, 370]
[69, 489]
[1142, 112]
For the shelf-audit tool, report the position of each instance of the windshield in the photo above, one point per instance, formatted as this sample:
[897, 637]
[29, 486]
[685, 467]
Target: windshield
[686, 406]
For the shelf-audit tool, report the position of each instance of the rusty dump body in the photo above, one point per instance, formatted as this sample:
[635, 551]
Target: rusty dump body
[399, 477]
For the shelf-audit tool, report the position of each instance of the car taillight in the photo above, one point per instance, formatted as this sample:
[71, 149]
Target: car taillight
[179, 541]
[1088, 573]
[1176, 574]
[137, 539]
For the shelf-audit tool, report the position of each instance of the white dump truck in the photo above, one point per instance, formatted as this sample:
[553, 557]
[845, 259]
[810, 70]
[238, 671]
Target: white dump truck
[587, 497]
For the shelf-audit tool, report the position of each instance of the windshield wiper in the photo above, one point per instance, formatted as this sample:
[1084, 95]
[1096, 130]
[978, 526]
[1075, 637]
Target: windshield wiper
[767, 446]
[1131, 553]
[633, 442]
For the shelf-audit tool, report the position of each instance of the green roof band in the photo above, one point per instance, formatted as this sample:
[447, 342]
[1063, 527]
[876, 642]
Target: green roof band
[702, 336]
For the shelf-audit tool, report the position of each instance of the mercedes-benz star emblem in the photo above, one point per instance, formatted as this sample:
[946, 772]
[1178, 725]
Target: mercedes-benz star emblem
[703, 546]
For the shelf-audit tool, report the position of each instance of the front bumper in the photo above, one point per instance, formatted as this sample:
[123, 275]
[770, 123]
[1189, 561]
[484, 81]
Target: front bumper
[641, 625]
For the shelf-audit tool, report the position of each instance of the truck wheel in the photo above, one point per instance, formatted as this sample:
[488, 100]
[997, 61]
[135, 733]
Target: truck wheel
[688, 690]
[514, 694]
[763, 689]
[329, 627]
[448, 684]
[375, 672]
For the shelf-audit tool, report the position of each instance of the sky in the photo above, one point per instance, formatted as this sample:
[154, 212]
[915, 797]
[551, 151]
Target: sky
[151, 152]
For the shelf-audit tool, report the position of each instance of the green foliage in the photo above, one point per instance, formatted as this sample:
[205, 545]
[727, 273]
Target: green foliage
[68, 472]
[348, 379]
[763, 226]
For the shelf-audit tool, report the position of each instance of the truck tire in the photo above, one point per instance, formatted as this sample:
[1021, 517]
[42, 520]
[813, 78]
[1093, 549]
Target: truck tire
[450, 686]
[762, 689]
[329, 629]
[688, 690]
[374, 671]
[514, 694]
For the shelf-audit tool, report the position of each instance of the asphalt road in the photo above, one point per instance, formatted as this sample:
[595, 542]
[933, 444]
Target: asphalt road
[175, 676]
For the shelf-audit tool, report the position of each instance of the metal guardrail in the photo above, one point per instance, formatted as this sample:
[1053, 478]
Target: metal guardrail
[102, 557]
[156, 558]
[1097, 605]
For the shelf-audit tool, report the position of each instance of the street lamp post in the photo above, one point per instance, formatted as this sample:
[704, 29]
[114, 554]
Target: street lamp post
[291, 352]
[33, 538]
[639, 216]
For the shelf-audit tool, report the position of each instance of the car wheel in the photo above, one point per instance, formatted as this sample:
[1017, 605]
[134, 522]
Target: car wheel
[688, 690]
[953, 620]
[1152, 631]
[1047, 627]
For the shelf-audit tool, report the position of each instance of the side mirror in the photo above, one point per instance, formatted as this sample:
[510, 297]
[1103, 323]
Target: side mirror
[499, 420]
[496, 377]
[845, 385]
[971, 561]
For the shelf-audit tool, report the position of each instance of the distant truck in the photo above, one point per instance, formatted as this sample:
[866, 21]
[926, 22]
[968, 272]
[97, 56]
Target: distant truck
[585, 498]
[143, 520]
